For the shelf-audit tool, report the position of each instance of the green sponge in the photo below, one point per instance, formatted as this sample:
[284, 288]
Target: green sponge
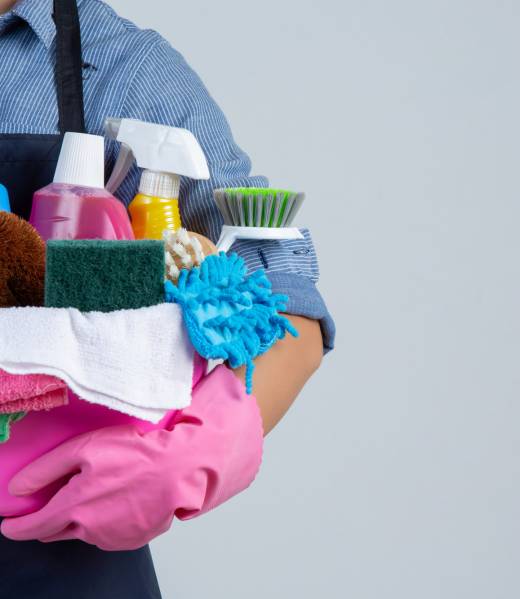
[98, 275]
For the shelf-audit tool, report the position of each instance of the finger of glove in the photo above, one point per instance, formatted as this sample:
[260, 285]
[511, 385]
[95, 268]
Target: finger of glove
[51, 520]
[70, 533]
[49, 468]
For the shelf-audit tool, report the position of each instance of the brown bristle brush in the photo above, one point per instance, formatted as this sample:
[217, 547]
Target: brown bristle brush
[22, 263]
[185, 249]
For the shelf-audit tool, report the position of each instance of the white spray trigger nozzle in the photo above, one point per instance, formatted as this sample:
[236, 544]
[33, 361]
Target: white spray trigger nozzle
[158, 148]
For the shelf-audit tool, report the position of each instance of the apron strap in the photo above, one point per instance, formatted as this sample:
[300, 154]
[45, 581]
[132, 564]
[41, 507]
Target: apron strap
[69, 75]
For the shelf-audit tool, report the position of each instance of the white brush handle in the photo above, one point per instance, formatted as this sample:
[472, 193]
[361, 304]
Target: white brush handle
[230, 234]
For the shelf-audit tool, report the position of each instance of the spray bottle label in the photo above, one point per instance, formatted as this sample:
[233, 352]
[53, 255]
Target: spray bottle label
[152, 215]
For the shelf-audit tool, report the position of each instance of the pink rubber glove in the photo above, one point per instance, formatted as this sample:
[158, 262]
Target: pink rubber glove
[125, 487]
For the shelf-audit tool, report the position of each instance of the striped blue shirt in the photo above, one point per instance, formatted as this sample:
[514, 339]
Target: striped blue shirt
[123, 66]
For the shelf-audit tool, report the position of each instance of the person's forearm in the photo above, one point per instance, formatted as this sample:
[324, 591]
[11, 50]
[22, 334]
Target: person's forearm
[281, 373]
[6, 5]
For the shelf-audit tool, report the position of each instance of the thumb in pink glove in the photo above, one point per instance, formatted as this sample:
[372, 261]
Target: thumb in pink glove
[125, 487]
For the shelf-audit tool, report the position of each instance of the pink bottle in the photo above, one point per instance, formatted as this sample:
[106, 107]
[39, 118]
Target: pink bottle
[76, 205]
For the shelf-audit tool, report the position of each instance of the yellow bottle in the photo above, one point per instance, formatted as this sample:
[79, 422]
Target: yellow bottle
[165, 154]
[156, 207]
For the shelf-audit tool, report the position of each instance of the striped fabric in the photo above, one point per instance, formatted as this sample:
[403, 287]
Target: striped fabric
[135, 73]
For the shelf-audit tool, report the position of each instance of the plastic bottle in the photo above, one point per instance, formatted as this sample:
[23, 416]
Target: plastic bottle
[76, 205]
[156, 206]
[4, 199]
[165, 154]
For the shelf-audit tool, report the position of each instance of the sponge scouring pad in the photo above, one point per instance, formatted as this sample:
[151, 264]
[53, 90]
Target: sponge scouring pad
[102, 276]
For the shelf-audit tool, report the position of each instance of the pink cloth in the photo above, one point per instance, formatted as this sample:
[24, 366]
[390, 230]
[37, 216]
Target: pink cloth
[30, 392]
[120, 488]
[40, 432]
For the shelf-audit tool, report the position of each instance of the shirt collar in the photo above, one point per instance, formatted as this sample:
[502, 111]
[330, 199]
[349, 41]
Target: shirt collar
[38, 15]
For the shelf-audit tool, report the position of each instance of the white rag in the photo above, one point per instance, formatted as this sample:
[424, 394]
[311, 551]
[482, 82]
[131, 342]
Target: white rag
[139, 362]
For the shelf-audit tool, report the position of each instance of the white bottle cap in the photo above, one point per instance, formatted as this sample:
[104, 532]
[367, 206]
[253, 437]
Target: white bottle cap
[160, 185]
[81, 161]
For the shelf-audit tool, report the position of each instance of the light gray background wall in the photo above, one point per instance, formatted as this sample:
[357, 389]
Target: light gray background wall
[396, 475]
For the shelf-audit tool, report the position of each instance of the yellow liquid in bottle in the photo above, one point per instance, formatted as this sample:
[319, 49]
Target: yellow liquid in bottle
[152, 215]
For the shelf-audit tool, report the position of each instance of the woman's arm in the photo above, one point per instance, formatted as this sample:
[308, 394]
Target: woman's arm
[281, 373]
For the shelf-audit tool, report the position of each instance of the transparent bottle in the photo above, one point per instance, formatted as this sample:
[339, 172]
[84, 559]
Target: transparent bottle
[76, 205]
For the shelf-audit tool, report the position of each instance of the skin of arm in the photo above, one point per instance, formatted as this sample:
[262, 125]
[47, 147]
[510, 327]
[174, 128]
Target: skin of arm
[6, 5]
[281, 373]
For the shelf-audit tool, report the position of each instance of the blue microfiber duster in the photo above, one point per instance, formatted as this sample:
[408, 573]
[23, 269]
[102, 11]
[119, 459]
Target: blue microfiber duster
[228, 314]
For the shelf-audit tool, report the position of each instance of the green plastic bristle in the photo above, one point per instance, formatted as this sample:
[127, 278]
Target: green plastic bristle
[258, 206]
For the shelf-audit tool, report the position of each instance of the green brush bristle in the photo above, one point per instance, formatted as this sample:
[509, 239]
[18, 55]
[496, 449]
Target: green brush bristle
[257, 191]
[274, 207]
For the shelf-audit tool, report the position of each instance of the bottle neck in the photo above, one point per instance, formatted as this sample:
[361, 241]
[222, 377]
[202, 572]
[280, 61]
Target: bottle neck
[159, 184]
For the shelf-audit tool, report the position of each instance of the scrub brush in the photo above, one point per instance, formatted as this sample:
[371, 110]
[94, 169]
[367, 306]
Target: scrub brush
[185, 250]
[258, 207]
[22, 263]
[257, 213]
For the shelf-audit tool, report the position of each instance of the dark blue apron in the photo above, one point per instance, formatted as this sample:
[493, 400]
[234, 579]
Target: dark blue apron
[69, 569]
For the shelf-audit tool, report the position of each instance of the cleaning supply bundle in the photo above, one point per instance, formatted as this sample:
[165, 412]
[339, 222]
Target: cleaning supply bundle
[257, 213]
[165, 154]
[76, 205]
[125, 320]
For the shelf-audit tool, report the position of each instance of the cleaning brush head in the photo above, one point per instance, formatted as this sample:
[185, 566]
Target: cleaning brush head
[258, 207]
[185, 250]
[22, 263]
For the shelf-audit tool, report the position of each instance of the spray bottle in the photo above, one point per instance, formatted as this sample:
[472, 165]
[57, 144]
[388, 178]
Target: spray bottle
[165, 154]
[76, 205]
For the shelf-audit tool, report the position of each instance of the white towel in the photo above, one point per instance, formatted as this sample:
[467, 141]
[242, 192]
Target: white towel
[139, 362]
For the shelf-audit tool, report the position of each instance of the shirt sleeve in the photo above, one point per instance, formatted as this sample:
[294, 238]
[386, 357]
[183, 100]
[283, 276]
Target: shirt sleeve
[166, 90]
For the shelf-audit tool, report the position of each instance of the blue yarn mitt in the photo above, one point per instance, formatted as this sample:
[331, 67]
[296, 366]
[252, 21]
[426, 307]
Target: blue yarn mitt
[228, 314]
